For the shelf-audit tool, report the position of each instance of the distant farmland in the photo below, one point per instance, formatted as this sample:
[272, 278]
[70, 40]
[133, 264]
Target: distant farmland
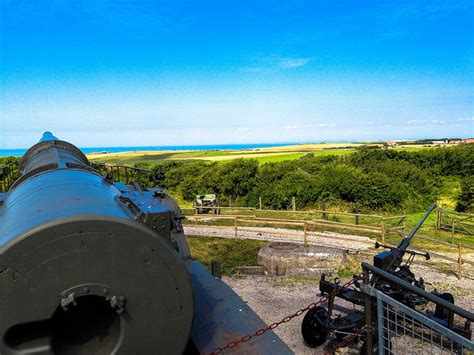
[263, 155]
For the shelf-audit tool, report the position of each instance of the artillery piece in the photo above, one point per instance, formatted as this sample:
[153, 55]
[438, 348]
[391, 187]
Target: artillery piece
[319, 322]
[91, 265]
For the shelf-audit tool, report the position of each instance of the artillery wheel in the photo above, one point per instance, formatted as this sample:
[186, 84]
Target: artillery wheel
[315, 327]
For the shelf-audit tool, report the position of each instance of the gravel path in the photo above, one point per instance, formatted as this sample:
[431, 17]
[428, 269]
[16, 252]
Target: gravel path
[274, 302]
[343, 241]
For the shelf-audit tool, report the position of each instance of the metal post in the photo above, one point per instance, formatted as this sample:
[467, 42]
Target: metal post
[368, 314]
[260, 202]
[216, 269]
[293, 203]
[459, 261]
[383, 231]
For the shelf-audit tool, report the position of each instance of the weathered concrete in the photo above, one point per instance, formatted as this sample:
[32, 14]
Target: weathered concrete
[288, 259]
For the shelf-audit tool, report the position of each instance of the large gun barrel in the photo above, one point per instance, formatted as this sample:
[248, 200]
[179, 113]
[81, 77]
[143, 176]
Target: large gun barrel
[88, 266]
[391, 260]
[407, 240]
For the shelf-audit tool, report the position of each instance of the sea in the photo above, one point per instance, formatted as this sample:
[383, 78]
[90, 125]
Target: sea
[88, 150]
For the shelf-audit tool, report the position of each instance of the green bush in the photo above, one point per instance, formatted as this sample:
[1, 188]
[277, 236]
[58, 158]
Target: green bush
[372, 179]
[465, 202]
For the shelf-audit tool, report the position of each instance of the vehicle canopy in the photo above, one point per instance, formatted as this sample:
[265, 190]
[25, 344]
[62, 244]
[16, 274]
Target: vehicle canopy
[206, 197]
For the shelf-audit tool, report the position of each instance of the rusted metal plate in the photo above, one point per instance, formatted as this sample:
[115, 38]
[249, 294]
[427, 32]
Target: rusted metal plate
[221, 316]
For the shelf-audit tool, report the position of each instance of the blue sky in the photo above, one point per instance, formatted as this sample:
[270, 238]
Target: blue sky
[114, 73]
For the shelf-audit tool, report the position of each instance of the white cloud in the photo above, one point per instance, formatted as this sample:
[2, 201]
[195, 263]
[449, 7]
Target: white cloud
[310, 126]
[276, 62]
[293, 62]
[291, 127]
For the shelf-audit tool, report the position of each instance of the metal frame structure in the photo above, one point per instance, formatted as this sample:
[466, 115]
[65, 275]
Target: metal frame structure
[122, 172]
[401, 329]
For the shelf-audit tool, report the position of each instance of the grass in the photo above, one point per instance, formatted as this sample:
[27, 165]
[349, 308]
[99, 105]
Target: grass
[350, 268]
[230, 252]
[130, 158]
[294, 281]
[263, 155]
[233, 253]
[449, 190]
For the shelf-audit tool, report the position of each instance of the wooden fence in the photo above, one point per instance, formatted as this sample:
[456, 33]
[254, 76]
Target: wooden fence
[384, 228]
[358, 222]
[457, 248]
[455, 222]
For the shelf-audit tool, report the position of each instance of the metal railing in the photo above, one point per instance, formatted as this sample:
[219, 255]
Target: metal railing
[125, 173]
[402, 330]
[8, 175]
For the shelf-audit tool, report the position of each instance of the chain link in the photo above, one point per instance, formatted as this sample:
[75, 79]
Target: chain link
[272, 326]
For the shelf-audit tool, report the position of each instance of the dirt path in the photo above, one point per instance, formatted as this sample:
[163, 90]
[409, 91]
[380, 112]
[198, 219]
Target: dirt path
[343, 241]
[273, 302]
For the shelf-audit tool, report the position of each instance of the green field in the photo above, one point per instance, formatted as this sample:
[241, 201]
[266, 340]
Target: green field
[263, 155]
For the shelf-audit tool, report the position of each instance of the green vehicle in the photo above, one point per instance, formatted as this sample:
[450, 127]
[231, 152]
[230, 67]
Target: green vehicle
[206, 203]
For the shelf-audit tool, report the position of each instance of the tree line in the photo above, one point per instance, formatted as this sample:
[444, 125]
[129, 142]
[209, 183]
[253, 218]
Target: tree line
[371, 179]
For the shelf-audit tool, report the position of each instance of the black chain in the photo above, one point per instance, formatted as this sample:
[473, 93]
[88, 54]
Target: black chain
[272, 326]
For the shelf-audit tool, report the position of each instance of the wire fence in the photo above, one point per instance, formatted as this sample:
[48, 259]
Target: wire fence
[402, 330]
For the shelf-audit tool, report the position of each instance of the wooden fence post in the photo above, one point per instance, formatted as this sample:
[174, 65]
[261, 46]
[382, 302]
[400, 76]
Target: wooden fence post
[305, 235]
[324, 209]
[459, 261]
[235, 227]
[357, 216]
[452, 230]
[260, 202]
[438, 218]
[293, 203]
[383, 230]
